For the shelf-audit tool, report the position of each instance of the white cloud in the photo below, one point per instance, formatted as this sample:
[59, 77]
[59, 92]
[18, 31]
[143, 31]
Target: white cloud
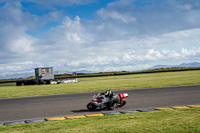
[134, 67]
[125, 18]
[122, 36]
[170, 55]
[69, 33]
[153, 55]
[99, 60]
[191, 53]
[119, 11]
[163, 55]
[151, 18]
[53, 3]
[21, 45]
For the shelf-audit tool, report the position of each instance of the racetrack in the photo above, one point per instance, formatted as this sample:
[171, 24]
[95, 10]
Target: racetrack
[75, 104]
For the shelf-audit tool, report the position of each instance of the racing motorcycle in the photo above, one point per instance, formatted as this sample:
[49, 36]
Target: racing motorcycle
[99, 101]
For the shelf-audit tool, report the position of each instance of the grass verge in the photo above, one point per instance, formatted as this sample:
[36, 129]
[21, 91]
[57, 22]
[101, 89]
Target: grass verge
[176, 121]
[106, 83]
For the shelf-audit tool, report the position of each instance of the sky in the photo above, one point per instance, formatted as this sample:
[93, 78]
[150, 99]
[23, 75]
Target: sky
[97, 35]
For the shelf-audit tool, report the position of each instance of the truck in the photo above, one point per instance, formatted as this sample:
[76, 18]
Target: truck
[45, 75]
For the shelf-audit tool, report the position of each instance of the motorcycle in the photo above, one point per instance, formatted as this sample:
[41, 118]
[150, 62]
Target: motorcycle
[99, 101]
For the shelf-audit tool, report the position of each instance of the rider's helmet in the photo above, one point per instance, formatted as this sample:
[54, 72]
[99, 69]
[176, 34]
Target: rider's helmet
[108, 93]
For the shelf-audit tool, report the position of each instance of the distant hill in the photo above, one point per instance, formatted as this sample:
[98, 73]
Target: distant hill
[25, 75]
[193, 64]
[20, 75]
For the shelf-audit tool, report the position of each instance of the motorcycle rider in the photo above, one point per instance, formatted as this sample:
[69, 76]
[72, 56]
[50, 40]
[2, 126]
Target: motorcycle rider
[113, 99]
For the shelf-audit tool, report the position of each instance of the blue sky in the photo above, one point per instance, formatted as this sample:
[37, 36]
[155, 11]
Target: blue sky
[97, 35]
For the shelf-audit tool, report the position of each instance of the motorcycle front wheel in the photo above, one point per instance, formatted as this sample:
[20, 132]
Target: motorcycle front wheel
[91, 106]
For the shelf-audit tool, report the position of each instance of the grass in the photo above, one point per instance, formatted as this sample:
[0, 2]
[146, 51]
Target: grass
[176, 121]
[7, 84]
[106, 83]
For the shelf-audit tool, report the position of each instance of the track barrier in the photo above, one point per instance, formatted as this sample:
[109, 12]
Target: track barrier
[94, 115]
[129, 111]
[147, 110]
[14, 122]
[34, 120]
[55, 119]
[79, 116]
[168, 108]
[180, 107]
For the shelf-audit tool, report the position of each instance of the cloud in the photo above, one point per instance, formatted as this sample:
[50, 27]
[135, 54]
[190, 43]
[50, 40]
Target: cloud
[191, 53]
[124, 18]
[152, 18]
[21, 45]
[163, 55]
[68, 39]
[12, 32]
[53, 2]
[70, 31]
[115, 11]
[124, 35]
[128, 67]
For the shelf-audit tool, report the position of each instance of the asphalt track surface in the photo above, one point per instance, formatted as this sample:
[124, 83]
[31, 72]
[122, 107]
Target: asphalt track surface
[12, 109]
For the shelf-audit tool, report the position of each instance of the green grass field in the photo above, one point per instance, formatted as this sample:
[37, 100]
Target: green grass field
[176, 121]
[106, 83]
[168, 121]
[7, 84]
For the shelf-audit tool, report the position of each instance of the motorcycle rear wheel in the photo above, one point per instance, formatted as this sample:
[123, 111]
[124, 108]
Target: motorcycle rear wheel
[122, 103]
[113, 106]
